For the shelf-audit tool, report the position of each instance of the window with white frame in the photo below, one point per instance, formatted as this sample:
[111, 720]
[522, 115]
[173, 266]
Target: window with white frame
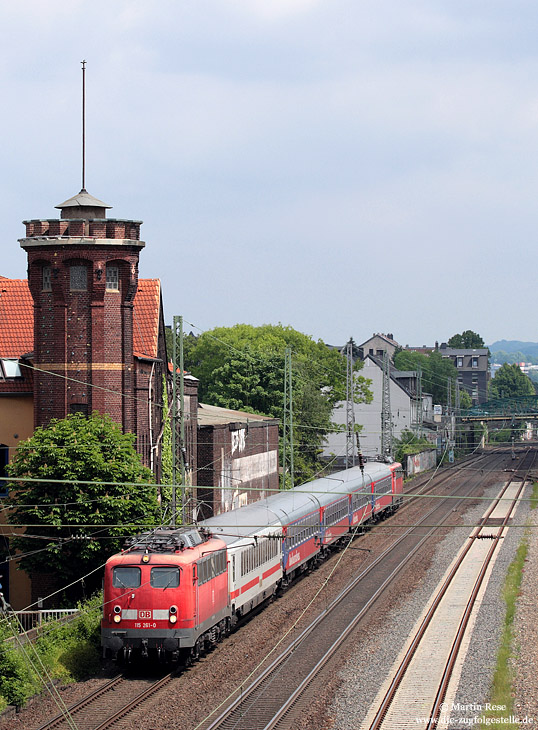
[459, 362]
[10, 368]
[112, 278]
[474, 362]
[47, 279]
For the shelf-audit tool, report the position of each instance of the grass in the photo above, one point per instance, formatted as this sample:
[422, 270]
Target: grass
[534, 496]
[503, 678]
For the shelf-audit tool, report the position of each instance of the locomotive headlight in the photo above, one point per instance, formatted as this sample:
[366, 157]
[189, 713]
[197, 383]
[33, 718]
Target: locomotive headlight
[117, 609]
[117, 618]
[173, 614]
[173, 619]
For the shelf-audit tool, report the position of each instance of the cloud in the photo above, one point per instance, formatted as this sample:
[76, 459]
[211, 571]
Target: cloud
[273, 10]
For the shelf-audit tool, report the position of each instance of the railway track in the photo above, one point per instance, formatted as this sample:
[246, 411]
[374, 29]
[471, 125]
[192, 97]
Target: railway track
[419, 683]
[273, 699]
[107, 707]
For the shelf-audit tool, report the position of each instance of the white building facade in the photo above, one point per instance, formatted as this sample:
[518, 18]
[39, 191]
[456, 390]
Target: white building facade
[403, 403]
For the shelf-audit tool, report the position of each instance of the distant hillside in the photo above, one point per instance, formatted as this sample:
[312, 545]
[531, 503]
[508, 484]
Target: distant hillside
[514, 351]
[514, 346]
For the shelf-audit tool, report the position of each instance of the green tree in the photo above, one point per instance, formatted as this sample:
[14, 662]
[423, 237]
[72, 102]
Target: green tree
[467, 340]
[101, 492]
[465, 399]
[242, 367]
[436, 371]
[510, 382]
[409, 443]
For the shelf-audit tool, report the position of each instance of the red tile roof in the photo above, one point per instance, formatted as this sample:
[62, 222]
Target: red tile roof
[17, 317]
[147, 307]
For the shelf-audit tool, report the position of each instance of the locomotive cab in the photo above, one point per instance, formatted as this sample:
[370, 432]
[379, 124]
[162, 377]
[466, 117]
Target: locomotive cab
[152, 594]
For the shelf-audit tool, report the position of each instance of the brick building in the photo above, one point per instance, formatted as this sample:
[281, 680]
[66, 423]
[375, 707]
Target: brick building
[83, 278]
[83, 333]
[237, 459]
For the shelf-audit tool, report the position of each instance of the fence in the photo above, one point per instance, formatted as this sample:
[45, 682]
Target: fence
[32, 619]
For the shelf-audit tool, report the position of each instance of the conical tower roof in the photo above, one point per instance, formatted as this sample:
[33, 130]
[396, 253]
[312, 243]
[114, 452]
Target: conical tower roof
[83, 205]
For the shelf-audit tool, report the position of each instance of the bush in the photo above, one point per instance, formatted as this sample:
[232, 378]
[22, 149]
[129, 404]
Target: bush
[409, 444]
[18, 681]
[69, 651]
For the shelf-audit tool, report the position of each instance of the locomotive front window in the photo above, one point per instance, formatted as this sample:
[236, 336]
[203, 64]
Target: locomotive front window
[164, 577]
[126, 577]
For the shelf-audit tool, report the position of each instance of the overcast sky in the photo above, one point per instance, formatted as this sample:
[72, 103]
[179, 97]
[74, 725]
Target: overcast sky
[341, 166]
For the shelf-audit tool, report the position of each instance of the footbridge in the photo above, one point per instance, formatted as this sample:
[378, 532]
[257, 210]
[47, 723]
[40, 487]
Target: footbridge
[524, 408]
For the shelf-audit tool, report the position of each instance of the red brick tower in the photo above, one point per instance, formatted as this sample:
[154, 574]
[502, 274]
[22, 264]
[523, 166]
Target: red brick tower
[83, 276]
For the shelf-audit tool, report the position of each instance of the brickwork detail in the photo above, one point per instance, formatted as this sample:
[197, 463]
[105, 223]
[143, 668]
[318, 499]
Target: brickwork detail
[96, 228]
[83, 333]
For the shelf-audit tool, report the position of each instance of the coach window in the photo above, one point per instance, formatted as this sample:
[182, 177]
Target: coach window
[164, 577]
[126, 577]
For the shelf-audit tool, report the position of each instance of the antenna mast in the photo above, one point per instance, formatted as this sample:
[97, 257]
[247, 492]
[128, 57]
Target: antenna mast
[83, 126]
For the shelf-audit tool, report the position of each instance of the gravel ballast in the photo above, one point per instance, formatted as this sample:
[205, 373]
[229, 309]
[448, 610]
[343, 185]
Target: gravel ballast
[341, 704]
[368, 666]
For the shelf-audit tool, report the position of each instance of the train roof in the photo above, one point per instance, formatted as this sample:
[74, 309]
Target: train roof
[242, 522]
[292, 504]
[287, 506]
[166, 539]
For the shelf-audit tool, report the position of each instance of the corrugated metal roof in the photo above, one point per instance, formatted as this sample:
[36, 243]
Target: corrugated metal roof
[215, 416]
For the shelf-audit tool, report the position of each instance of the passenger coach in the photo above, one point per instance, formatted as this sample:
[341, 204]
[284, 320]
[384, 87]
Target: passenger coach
[175, 592]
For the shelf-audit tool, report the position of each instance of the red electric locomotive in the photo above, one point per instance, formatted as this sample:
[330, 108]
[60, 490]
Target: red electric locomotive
[166, 595]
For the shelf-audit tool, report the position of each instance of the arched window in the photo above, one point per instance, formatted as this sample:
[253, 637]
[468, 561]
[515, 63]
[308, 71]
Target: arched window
[112, 277]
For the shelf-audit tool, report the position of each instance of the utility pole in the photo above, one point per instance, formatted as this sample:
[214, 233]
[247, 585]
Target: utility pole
[178, 449]
[287, 442]
[350, 406]
[450, 421]
[182, 420]
[418, 414]
[386, 414]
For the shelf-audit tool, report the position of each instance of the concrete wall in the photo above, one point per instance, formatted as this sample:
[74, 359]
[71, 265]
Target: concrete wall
[420, 462]
[238, 463]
